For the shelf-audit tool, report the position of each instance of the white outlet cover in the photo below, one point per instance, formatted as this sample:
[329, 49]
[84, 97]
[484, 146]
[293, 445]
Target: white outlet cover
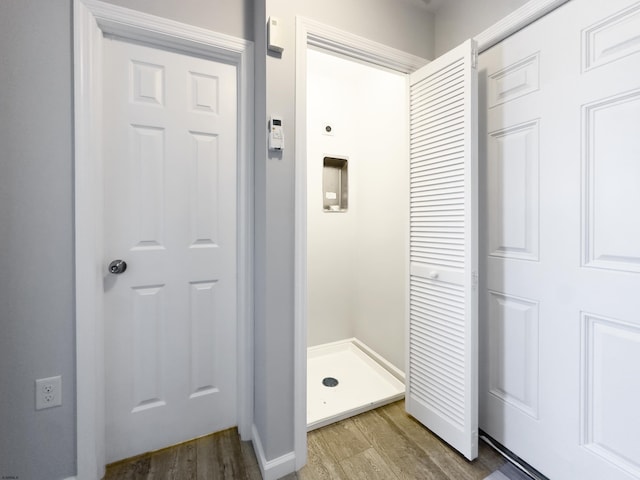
[48, 392]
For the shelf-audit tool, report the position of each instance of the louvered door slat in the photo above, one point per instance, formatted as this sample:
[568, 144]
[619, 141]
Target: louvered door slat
[442, 365]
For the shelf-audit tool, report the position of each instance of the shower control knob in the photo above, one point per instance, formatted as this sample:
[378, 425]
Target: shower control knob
[117, 267]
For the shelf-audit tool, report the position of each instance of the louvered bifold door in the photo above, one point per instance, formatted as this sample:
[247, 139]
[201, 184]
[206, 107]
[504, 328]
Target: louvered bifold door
[442, 390]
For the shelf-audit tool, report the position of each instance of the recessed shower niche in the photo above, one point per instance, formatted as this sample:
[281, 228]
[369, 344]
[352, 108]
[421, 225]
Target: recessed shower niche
[335, 184]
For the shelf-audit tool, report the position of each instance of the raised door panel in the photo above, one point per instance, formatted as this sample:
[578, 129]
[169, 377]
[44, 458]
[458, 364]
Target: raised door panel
[513, 178]
[611, 353]
[611, 178]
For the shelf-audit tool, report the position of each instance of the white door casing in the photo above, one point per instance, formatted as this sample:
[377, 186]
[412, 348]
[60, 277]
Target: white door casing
[560, 340]
[92, 20]
[442, 344]
[170, 213]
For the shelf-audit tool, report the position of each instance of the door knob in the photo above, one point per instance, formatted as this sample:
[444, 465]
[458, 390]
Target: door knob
[117, 266]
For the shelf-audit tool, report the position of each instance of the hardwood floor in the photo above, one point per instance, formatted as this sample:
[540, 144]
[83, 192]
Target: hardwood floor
[384, 444]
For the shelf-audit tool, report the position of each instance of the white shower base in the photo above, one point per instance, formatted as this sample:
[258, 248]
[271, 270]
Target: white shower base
[366, 381]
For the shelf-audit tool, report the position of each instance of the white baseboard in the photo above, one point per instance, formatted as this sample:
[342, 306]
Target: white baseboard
[276, 468]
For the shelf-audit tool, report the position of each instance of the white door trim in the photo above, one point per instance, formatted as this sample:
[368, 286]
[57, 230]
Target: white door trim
[518, 19]
[93, 19]
[312, 33]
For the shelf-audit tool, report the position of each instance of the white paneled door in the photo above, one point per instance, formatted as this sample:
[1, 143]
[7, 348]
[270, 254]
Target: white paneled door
[560, 296]
[169, 140]
[443, 344]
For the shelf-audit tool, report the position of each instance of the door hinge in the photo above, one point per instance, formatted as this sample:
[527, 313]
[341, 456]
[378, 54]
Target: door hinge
[474, 58]
[474, 279]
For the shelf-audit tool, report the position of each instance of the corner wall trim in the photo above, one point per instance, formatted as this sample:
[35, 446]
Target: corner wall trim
[520, 18]
[276, 468]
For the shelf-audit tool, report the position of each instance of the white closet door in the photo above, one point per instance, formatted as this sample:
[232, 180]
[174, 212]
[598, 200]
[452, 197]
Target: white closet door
[560, 283]
[442, 387]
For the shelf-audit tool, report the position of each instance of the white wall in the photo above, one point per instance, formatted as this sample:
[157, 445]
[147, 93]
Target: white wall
[356, 259]
[37, 289]
[456, 21]
[398, 23]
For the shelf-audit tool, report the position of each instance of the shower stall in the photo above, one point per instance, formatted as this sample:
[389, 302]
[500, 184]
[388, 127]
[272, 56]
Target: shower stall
[357, 227]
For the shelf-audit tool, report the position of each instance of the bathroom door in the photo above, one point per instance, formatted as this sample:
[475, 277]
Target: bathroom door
[442, 346]
[560, 328]
[170, 214]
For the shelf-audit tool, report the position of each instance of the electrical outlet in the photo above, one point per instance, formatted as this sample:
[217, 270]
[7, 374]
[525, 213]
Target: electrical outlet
[48, 392]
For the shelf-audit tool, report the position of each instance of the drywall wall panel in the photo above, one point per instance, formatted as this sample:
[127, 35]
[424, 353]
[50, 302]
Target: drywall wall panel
[233, 17]
[462, 19]
[36, 237]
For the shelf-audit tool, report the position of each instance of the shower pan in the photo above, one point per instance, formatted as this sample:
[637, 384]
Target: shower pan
[346, 378]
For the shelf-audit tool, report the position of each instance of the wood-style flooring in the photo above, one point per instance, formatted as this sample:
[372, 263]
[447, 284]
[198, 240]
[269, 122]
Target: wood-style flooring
[385, 444]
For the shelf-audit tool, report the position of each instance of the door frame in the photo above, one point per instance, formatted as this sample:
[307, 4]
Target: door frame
[516, 20]
[310, 33]
[315, 34]
[92, 20]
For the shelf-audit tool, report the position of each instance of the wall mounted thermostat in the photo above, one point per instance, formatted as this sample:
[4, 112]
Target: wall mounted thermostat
[276, 134]
[274, 35]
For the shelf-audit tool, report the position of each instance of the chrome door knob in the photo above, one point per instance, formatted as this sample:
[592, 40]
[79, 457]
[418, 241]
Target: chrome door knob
[117, 266]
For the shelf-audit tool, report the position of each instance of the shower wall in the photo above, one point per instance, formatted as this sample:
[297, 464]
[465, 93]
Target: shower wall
[357, 258]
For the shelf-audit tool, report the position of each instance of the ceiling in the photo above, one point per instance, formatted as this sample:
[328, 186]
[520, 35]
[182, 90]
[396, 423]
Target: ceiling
[430, 5]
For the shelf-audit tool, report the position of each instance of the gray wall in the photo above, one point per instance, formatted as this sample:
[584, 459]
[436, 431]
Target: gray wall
[37, 330]
[456, 21]
[233, 17]
[36, 237]
[399, 24]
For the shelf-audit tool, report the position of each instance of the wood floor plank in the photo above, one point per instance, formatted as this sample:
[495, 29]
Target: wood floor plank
[368, 465]
[407, 459]
[230, 455]
[343, 439]
[176, 463]
[250, 461]
[220, 457]
[184, 462]
[134, 469]
[445, 457]
[205, 447]
[321, 463]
